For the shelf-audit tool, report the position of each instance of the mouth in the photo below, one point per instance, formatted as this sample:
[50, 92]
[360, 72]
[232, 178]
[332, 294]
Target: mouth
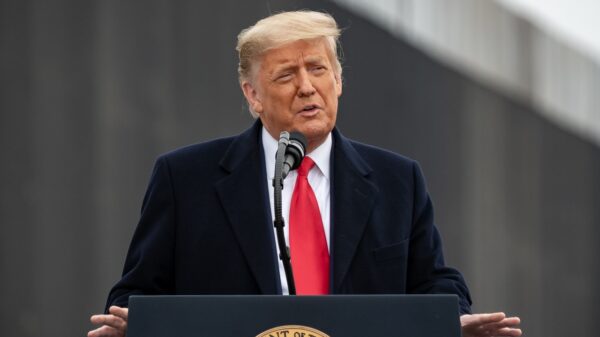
[310, 109]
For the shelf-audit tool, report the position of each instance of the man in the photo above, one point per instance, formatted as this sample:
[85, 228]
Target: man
[205, 226]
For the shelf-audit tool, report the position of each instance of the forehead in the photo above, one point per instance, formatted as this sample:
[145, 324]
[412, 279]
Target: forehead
[294, 53]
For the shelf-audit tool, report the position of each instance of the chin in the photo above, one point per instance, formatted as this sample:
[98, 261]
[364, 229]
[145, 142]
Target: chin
[315, 133]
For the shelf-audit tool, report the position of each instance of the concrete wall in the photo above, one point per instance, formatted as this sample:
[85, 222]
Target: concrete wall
[494, 45]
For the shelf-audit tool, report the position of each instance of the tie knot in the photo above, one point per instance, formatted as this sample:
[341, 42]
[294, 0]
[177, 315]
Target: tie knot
[306, 165]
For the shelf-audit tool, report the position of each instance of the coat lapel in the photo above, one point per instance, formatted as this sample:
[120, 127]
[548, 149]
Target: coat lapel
[243, 195]
[353, 199]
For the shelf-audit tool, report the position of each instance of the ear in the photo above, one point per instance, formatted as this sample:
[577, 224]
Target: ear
[252, 97]
[338, 84]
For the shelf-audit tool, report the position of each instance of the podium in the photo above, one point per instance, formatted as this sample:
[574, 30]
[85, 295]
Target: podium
[294, 316]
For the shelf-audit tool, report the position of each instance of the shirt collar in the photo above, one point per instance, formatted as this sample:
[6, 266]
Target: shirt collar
[321, 155]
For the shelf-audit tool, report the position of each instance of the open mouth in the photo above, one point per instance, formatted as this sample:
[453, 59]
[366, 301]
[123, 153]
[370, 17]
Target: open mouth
[310, 108]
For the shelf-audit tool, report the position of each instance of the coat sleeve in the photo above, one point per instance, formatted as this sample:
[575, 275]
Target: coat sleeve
[427, 272]
[149, 265]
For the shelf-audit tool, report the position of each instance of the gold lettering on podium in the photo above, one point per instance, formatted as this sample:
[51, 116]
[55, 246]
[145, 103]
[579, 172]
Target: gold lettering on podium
[292, 331]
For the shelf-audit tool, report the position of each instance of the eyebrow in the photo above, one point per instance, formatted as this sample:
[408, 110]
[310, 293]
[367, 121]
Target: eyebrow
[292, 65]
[285, 67]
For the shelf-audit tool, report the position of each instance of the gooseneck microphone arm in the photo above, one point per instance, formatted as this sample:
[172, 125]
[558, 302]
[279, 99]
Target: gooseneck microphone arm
[278, 222]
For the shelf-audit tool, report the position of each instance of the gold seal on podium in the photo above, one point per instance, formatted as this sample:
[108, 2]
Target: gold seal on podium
[292, 331]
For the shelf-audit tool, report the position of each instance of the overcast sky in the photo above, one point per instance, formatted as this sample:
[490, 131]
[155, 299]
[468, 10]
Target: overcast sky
[575, 21]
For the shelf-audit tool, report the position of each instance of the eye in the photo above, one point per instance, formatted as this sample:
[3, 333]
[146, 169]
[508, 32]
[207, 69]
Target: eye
[318, 69]
[283, 77]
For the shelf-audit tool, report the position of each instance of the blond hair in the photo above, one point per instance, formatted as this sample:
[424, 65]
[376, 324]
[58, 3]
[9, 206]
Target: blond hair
[283, 28]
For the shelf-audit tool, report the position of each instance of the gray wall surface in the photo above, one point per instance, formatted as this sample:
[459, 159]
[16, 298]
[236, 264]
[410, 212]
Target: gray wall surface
[91, 92]
[496, 46]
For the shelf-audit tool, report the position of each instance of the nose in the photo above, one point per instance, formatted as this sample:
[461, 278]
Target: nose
[305, 86]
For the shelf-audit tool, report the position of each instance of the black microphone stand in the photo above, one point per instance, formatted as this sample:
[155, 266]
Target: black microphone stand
[279, 222]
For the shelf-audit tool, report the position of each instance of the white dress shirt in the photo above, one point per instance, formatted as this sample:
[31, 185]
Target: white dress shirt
[319, 181]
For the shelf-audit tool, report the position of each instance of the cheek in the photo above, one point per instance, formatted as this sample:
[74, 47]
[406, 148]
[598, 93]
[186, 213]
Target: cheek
[332, 96]
[281, 98]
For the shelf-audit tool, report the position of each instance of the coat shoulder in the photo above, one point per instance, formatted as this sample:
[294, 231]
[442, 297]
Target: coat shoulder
[199, 151]
[379, 158]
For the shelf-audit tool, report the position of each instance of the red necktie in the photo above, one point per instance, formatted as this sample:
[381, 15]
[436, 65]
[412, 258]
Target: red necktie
[308, 246]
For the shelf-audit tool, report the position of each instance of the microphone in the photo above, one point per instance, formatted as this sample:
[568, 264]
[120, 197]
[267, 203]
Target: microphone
[294, 152]
[290, 151]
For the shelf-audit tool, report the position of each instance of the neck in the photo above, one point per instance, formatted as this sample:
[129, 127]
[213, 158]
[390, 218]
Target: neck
[313, 144]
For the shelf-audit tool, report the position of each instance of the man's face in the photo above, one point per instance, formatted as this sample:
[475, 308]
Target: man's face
[295, 88]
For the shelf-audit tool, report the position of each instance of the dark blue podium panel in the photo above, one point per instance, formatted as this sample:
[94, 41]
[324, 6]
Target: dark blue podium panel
[333, 316]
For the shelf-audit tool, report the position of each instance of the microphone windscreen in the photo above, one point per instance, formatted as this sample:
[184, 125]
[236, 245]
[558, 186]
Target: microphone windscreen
[299, 137]
[295, 150]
